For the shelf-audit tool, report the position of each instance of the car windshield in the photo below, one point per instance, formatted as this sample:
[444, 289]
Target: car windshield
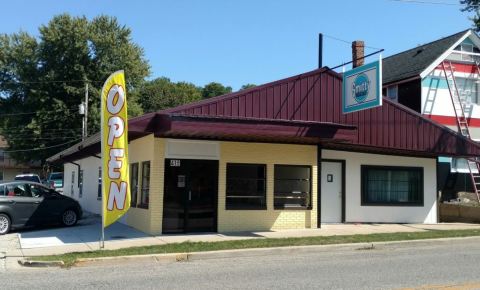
[56, 176]
[27, 178]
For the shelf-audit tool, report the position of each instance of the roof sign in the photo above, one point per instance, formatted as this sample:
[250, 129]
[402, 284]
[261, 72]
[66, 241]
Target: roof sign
[362, 87]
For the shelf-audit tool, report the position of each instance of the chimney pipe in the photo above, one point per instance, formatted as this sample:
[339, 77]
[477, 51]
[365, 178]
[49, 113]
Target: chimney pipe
[358, 52]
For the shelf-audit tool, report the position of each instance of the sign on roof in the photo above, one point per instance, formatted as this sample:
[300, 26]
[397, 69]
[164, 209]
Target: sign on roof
[362, 87]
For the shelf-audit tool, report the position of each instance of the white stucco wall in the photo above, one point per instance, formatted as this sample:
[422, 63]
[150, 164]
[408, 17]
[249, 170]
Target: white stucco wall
[89, 200]
[355, 212]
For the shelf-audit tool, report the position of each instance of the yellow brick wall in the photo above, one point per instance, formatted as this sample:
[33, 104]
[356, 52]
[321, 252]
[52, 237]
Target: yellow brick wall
[269, 154]
[144, 149]
[157, 174]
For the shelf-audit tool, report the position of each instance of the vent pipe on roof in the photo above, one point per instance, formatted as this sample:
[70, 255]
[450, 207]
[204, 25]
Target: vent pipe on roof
[358, 53]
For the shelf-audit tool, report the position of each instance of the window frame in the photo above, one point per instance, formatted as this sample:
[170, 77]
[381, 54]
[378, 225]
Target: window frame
[80, 183]
[134, 198]
[72, 183]
[364, 184]
[309, 206]
[99, 184]
[144, 188]
[265, 206]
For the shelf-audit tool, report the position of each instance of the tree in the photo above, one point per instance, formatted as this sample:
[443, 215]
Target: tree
[472, 6]
[42, 80]
[247, 86]
[214, 89]
[161, 93]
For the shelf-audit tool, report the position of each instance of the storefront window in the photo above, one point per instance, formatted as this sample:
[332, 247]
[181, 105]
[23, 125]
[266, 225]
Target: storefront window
[246, 186]
[99, 191]
[145, 184]
[134, 183]
[292, 188]
[388, 185]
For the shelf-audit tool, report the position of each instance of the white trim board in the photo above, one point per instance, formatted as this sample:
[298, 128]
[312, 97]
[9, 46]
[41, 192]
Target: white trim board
[192, 149]
[444, 55]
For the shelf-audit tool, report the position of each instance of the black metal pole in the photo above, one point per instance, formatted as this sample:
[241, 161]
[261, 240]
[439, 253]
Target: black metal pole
[320, 50]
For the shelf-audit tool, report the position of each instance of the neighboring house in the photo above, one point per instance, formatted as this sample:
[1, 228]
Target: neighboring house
[277, 156]
[9, 167]
[440, 80]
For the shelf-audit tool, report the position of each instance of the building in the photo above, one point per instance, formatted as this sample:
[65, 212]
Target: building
[9, 167]
[440, 80]
[277, 156]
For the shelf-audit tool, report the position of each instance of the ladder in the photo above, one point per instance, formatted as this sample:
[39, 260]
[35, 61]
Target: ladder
[462, 122]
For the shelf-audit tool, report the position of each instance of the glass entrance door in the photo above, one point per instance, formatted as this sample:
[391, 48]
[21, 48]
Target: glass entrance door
[190, 196]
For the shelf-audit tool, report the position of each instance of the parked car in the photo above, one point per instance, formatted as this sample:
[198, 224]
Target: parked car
[26, 203]
[29, 177]
[55, 181]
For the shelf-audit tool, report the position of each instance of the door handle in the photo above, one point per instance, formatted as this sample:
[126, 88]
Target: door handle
[189, 195]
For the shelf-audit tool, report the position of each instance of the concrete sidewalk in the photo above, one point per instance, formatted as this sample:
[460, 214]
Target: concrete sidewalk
[86, 237]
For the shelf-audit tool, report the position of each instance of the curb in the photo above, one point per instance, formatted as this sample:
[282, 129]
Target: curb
[40, 264]
[238, 253]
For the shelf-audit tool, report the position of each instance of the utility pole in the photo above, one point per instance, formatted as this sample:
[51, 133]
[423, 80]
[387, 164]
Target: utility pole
[83, 110]
[86, 111]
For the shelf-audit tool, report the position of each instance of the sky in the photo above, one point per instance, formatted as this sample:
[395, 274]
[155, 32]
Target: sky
[248, 41]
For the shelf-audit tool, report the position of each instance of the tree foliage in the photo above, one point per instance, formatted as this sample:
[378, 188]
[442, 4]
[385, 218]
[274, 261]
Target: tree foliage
[214, 89]
[161, 93]
[47, 76]
[472, 6]
[247, 86]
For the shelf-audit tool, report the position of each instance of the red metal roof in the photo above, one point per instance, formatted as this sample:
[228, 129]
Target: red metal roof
[316, 96]
[301, 109]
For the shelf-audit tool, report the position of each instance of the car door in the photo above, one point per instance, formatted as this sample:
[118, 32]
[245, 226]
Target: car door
[22, 203]
[50, 206]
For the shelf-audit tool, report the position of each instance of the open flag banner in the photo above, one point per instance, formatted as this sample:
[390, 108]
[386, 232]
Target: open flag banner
[114, 130]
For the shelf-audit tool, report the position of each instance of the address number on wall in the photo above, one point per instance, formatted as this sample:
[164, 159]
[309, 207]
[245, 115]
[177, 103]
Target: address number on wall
[175, 163]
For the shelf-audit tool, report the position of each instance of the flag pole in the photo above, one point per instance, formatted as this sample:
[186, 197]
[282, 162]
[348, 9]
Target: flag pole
[102, 236]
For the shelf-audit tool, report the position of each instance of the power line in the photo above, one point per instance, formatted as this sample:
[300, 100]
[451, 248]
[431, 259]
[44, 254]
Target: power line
[430, 2]
[49, 82]
[346, 41]
[31, 113]
[42, 148]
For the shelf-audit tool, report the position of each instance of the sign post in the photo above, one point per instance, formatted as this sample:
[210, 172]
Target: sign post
[362, 87]
[114, 139]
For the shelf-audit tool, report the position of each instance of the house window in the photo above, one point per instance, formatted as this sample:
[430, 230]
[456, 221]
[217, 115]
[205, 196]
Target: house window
[392, 93]
[145, 184]
[80, 183]
[134, 183]
[389, 185]
[246, 186]
[99, 190]
[467, 88]
[72, 183]
[292, 187]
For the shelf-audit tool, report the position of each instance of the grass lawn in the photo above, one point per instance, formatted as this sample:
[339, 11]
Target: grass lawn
[189, 247]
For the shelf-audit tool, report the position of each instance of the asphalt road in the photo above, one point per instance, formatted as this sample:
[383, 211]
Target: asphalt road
[420, 266]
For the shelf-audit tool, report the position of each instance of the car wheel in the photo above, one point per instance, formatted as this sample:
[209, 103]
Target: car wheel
[5, 224]
[69, 217]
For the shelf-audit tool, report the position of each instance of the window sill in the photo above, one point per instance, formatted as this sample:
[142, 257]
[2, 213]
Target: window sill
[293, 208]
[247, 208]
[398, 204]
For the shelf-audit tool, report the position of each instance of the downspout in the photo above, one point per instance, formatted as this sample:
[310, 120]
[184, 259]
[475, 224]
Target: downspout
[319, 186]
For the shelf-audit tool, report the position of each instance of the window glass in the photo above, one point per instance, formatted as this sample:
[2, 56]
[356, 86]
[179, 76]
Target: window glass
[134, 183]
[80, 183]
[72, 183]
[145, 184]
[99, 190]
[19, 189]
[392, 92]
[2, 190]
[392, 185]
[292, 186]
[467, 88]
[1, 175]
[37, 190]
[246, 186]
